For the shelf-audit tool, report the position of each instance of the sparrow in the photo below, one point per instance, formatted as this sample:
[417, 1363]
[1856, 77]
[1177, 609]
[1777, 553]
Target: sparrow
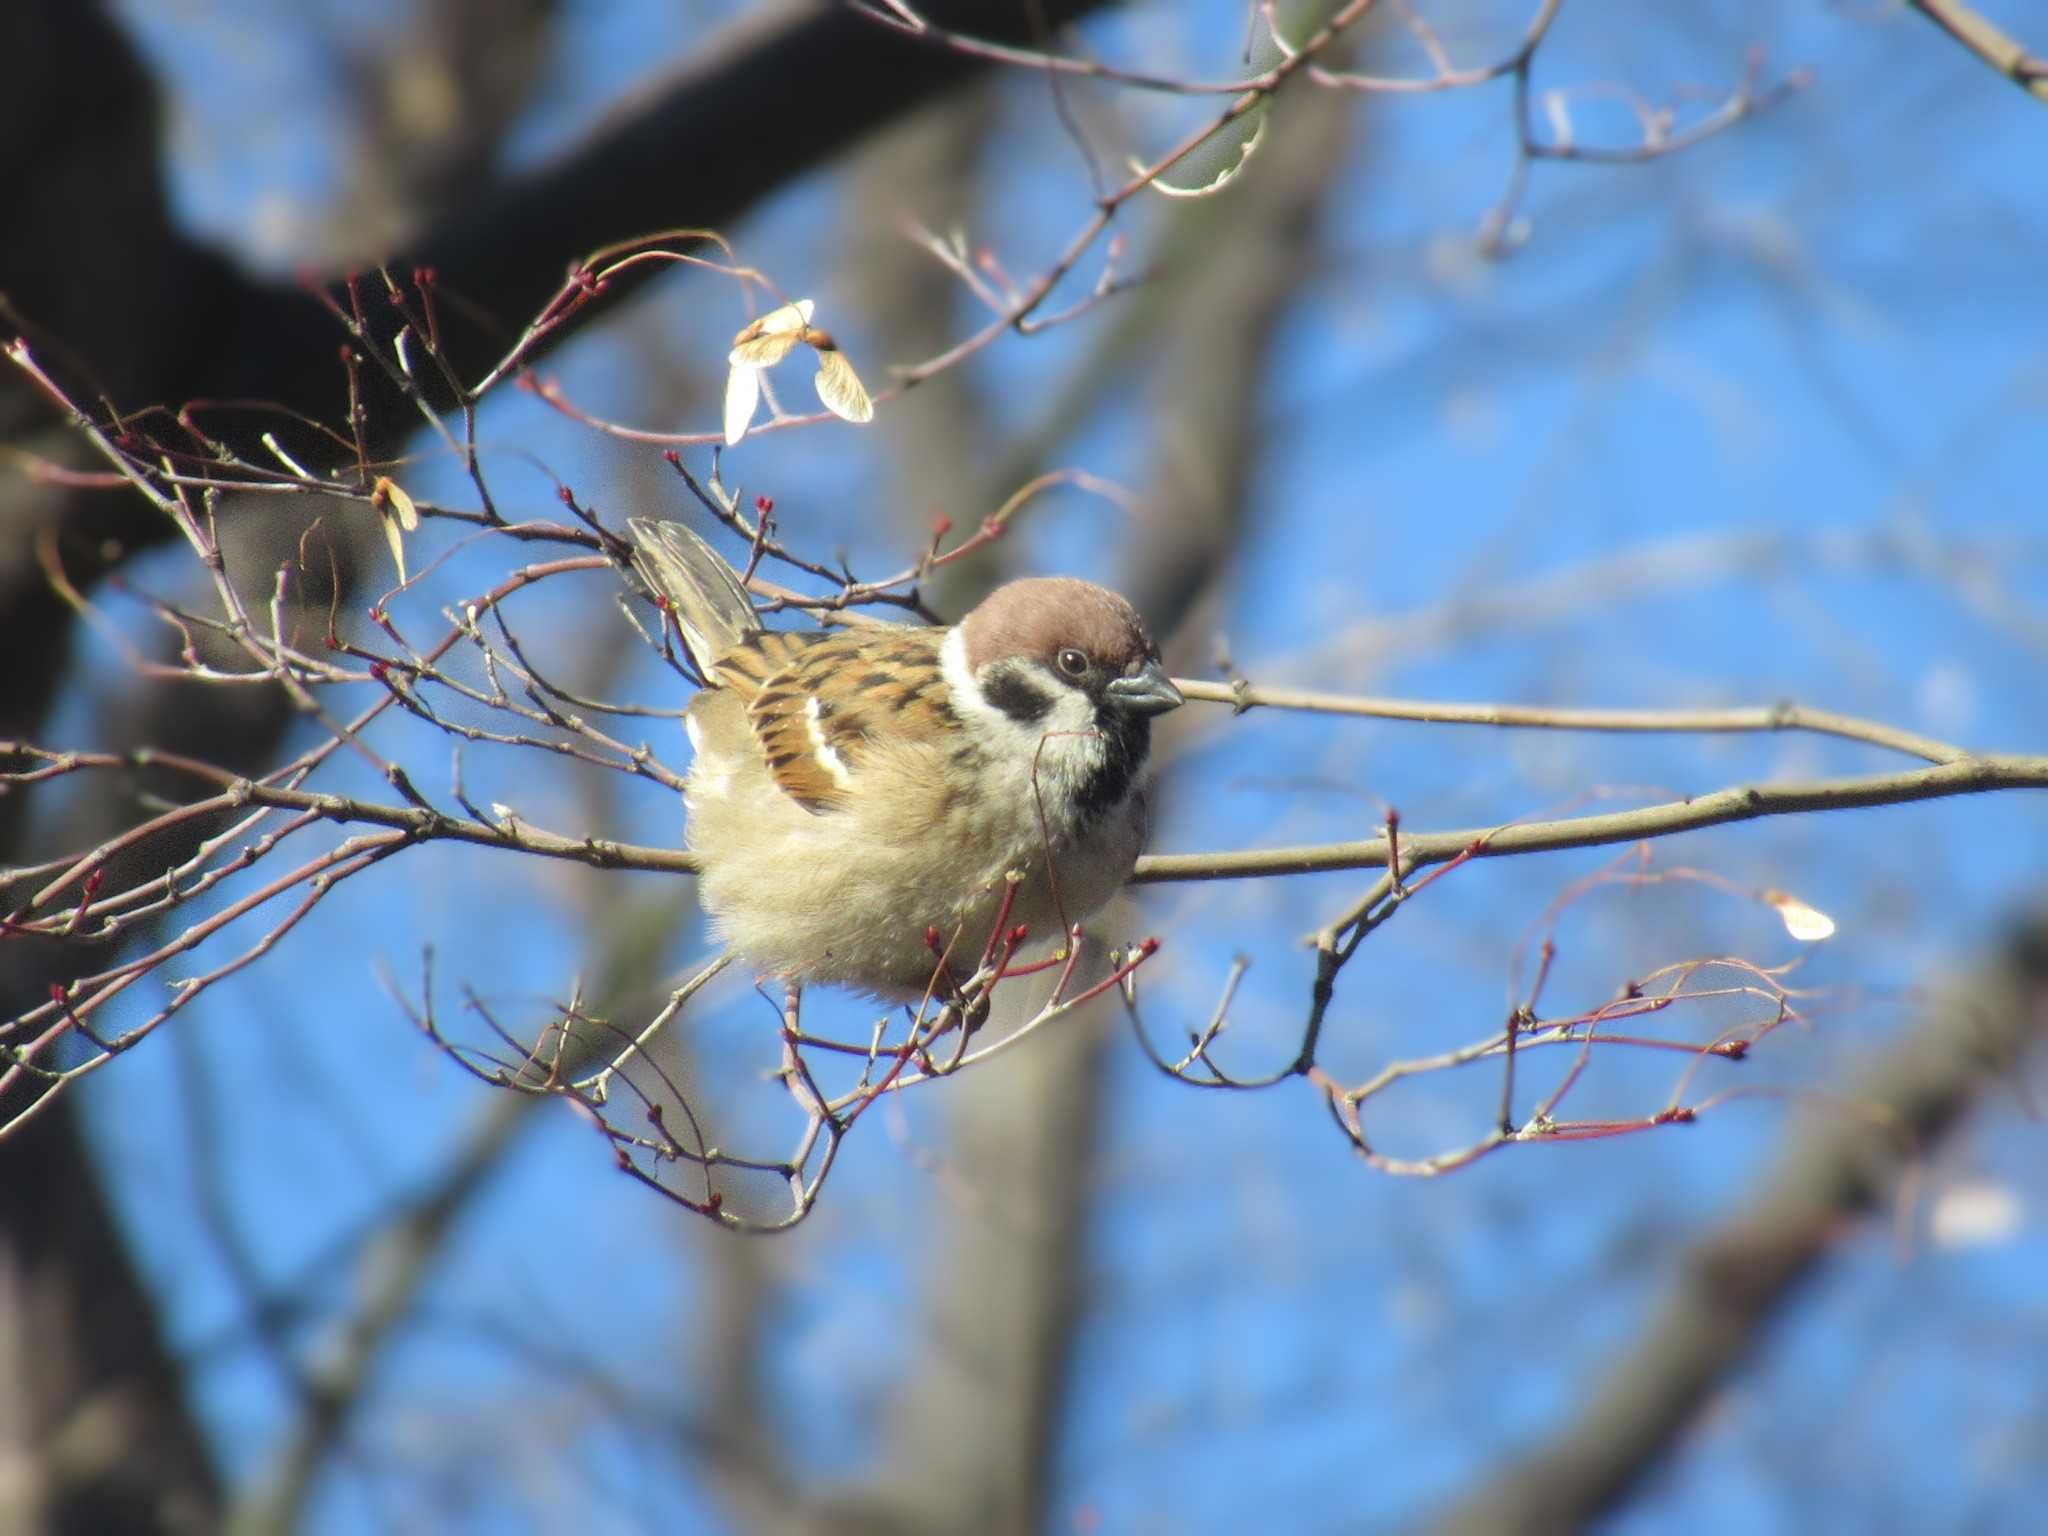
[861, 801]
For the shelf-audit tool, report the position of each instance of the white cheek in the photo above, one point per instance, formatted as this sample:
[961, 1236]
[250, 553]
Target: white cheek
[1045, 758]
[1024, 739]
[1069, 747]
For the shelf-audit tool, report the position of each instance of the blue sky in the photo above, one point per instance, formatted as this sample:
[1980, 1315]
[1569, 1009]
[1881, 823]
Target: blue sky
[1802, 372]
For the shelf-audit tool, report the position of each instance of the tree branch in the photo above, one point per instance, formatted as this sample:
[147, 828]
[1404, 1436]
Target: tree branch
[1771, 717]
[2005, 54]
[1743, 802]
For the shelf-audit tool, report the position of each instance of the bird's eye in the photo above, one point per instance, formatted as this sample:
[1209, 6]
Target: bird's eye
[1074, 663]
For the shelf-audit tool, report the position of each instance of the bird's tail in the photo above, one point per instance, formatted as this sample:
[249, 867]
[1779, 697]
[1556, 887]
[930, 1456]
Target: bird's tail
[704, 593]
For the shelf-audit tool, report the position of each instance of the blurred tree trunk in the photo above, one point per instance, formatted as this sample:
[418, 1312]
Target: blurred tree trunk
[975, 1429]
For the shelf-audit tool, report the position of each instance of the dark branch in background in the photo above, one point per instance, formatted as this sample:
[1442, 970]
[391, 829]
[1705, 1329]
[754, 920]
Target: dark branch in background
[429, 108]
[198, 327]
[1839, 1165]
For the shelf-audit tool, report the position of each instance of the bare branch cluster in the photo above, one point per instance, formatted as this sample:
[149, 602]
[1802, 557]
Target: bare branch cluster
[659, 1138]
[270, 848]
[1545, 128]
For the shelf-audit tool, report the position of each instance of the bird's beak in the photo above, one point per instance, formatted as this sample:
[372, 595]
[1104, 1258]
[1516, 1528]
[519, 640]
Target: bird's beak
[1150, 692]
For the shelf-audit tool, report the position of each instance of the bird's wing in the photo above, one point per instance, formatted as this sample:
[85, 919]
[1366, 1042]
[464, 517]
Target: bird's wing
[818, 702]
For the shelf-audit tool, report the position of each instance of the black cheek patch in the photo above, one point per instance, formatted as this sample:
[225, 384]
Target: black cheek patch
[1017, 697]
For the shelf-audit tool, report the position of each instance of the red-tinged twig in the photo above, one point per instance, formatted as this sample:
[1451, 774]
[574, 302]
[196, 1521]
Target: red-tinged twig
[591, 276]
[1448, 76]
[91, 993]
[1059, 1007]
[907, 22]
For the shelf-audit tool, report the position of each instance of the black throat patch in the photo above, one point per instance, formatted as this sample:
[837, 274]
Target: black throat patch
[1126, 739]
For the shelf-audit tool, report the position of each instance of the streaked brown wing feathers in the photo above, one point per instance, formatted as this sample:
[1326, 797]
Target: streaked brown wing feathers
[863, 682]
